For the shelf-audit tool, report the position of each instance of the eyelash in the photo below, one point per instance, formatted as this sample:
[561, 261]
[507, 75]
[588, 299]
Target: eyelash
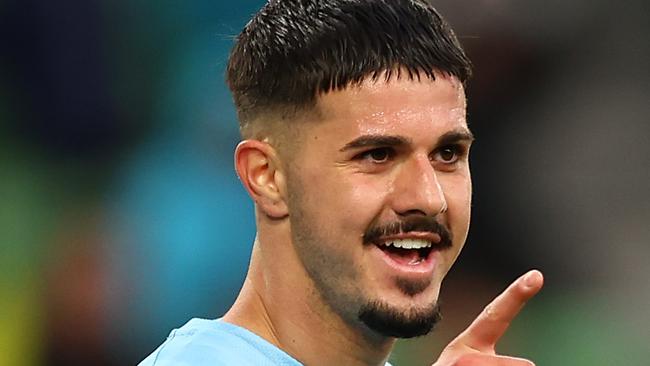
[366, 155]
[458, 150]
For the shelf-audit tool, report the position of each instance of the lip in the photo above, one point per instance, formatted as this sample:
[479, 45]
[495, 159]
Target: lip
[423, 269]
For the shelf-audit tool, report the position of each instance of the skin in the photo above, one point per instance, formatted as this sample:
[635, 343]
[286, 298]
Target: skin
[310, 271]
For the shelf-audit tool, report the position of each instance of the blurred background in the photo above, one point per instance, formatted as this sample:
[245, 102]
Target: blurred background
[121, 216]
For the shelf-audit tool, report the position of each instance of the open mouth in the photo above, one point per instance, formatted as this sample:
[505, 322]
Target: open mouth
[409, 252]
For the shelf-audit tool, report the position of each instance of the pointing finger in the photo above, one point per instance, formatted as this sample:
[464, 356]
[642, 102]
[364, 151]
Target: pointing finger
[482, 359]
[490, 325]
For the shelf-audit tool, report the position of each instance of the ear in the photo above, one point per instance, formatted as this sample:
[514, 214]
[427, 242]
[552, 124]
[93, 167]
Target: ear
[258, 168]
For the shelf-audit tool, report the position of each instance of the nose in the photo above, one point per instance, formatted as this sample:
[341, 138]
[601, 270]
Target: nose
[417, 191]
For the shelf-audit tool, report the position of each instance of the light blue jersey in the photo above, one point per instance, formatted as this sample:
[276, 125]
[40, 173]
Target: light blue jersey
[203, 342]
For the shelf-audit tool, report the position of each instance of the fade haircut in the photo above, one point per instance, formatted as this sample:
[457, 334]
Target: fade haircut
[292, 51]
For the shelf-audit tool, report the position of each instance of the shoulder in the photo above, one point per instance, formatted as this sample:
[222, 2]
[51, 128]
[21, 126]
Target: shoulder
[214, 342]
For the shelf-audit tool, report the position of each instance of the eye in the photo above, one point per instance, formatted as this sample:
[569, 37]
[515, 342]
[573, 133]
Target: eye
[449, 154]
[378, 155]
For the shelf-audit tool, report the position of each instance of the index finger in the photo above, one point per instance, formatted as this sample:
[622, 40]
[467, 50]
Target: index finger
[489, 326]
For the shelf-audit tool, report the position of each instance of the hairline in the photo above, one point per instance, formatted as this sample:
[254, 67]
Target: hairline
[283, 114]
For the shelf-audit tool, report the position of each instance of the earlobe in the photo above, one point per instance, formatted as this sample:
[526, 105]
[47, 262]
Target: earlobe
[259, 170]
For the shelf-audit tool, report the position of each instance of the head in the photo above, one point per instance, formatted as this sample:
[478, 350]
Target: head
[356, 151]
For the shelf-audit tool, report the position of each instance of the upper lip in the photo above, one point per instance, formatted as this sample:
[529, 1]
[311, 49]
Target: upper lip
[431, 237]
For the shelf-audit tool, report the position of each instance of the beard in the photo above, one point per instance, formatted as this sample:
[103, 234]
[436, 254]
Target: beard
[337, 277]
[337, 280]
[390, 322]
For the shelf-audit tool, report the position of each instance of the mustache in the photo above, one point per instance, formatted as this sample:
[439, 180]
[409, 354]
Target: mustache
[421, 224]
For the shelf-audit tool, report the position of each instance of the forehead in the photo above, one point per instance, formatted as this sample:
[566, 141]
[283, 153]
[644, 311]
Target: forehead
[399, 106]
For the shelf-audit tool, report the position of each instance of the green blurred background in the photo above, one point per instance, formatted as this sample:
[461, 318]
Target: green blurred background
[121, 216]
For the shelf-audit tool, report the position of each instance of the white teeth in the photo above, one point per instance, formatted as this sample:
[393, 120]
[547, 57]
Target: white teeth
[409, 243]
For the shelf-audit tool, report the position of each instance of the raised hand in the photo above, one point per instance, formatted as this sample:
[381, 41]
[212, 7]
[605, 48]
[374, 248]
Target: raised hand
[476, 345]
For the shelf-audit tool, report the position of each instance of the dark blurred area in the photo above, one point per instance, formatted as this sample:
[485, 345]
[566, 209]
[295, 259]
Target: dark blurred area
[121, 216]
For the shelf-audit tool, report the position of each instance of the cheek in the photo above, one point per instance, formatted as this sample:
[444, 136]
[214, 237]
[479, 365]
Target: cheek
[342, 189]
[352, 202]
[367, 194]
[458, 193]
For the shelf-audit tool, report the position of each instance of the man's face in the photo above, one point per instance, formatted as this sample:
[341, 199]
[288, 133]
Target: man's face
[386, 167]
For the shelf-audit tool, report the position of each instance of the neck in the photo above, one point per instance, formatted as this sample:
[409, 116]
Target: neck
[290, 314]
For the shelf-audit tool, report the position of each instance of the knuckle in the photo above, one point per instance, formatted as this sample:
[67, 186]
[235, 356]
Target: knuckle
[490, 312]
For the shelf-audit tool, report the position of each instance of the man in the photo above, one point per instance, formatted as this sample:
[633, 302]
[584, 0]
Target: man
[355, 152]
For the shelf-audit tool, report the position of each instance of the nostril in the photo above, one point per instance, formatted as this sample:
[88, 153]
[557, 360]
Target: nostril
[412, 212]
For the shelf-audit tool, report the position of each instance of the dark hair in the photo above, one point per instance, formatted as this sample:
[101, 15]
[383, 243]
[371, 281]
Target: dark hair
[294, 50]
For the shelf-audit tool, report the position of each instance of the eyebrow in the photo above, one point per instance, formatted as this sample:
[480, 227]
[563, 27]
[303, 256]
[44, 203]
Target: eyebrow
[456, 136]
[448, 138]
[375, 140]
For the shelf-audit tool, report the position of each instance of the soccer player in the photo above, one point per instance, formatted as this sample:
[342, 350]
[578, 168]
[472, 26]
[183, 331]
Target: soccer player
[355, 151]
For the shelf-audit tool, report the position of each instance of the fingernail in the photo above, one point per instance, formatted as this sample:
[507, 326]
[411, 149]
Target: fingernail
[531, 278]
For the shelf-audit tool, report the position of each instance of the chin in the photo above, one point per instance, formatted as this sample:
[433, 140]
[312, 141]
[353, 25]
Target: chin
[389, 320]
